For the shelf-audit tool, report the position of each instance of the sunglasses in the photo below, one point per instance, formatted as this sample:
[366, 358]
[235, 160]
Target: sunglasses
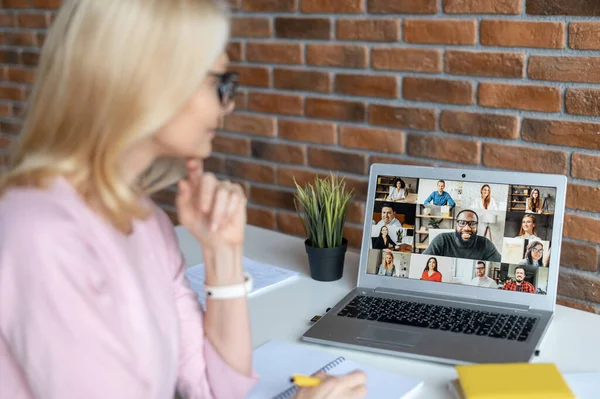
[228, 83]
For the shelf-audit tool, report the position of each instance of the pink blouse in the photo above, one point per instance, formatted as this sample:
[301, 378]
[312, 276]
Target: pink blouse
[88, 312]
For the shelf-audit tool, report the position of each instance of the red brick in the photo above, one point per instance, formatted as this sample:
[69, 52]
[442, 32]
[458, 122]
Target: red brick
[273, 103]
[315, 132]
[291, 79]
[333, 6]
[372, 30]
[252, 76]
[582, 228]
[585, 287]
[286, 176]
[356, 212]
[402, 7]
[34, 20]
[231, 145]
[10, 57]
[354, 236]
[215, 164]
[20, 75]
[526, 159]
[272, 198]
[583, 101]
[337, 55]
[6, 109]
[16, 4]
[250, 171]
[402, 117]
[12, 127]
[7, 19]
[251, 27]
[579, 256]
[523, 34]
[260, 217]
[46, 3]
[270, 5]
[284, 153]
[440, 31]
[584, 35]
[26, 39]
[573, 134]
[485, 125]
[30, 58]
[15, 93]
[281, 53]
[448, 149]
[381, 140]
[251, 124]
[582, 197]
[509, 7]
[302, 28]
[337, 160]
[584, 166]
[577, 305]
[564, 69]
[235, 51]
[525, 97]
[584, 8]
[289, 223]
[504, 65]
[407, 59]
[438, 90]
[240, 100]
[397, 161]
[365, 85]
[352, 111]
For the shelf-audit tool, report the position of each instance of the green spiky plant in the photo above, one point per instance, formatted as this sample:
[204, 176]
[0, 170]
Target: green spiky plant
[322, 209]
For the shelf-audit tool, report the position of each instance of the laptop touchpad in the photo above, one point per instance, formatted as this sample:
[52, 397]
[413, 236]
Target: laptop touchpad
[390, 336]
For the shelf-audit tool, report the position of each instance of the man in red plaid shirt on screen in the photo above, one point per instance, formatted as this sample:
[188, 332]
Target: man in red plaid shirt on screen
[520, 284]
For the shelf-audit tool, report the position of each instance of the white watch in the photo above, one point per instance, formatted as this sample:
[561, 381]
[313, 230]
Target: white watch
[229, 291]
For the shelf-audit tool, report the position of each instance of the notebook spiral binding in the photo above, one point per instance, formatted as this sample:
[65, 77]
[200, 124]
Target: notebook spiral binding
[291, 391]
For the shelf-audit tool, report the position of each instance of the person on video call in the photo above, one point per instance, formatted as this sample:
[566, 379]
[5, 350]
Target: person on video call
[431, 273]
[519, 284]
[533, 255]
[528, 228]
[485, 201]
[388, 217]
[398, 192]
[384, 240]
[440, 197]
[534, 204]
[464, 242]
[481, 280]
[387, 267]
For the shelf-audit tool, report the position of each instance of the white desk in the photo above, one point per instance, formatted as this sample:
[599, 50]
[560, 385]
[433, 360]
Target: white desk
[284, 313]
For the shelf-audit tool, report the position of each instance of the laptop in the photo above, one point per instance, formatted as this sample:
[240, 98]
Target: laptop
[457, 266]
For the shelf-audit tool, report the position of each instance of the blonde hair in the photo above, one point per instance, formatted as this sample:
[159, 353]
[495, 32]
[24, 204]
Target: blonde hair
[111, 73]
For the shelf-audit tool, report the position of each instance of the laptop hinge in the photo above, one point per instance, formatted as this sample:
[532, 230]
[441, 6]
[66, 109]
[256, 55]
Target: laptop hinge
[464, 299]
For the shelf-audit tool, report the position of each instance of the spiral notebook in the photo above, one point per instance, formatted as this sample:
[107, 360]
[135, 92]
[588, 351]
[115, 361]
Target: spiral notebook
[276, 361]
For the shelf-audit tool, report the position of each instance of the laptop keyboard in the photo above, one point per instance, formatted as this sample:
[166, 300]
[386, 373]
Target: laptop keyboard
[437, 317]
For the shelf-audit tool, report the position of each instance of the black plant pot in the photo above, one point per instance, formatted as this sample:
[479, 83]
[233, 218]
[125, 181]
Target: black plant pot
[326, 264]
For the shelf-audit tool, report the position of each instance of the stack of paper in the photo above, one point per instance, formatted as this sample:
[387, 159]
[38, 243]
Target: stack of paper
[264, 276]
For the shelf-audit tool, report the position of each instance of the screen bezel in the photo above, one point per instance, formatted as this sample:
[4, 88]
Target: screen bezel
[536, 301]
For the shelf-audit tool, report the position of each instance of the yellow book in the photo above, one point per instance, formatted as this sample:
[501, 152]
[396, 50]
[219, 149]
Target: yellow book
[511, 381]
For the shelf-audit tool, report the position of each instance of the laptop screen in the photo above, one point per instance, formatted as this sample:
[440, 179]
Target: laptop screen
[493, 236]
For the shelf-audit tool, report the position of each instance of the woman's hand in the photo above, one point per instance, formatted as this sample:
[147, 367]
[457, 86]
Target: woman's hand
[349, 386]
[213, 211]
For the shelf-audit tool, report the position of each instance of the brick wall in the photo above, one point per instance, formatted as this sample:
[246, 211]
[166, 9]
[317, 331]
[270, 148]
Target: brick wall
[340, 84]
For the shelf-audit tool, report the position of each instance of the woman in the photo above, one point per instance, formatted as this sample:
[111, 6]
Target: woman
[533, 255]
[398, 192]
[383, 241]
[387, 267]
[485, 201]
[430, 273]
[126, 101]
[528, 228]
[533, 202]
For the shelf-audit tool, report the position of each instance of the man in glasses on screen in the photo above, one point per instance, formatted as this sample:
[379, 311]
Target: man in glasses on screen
[464, 241]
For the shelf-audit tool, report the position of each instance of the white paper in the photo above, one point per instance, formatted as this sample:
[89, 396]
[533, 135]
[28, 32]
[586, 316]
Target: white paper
[584, 385]
[263, 276]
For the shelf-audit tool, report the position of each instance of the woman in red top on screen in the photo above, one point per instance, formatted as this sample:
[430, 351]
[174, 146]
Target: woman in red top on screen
[430, 273]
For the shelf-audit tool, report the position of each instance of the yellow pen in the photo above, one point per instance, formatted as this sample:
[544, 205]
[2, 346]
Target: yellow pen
[305, 380]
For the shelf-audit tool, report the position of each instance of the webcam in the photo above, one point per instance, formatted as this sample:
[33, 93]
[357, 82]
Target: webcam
[463, 175]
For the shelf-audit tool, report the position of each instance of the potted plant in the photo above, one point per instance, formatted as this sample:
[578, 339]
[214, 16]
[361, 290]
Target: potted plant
[435, 224]
[322, 209]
